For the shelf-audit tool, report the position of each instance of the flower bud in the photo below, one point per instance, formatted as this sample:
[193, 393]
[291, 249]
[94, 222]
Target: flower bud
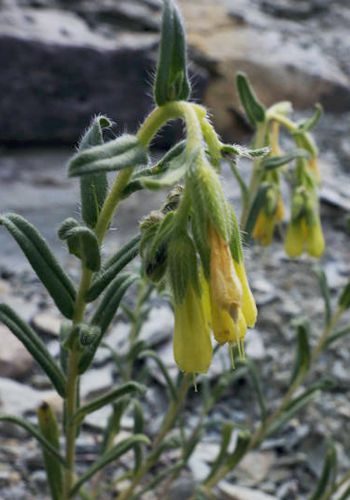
[154, 244]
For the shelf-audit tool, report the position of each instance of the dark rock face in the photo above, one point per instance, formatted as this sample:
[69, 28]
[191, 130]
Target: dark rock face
[57, 72]
[52, 83]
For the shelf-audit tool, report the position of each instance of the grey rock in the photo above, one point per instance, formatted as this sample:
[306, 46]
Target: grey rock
[94, 382]
[232, 492]
[47, 323]
[18, 399]
[79, 73]
[255, 467]
[15, 360]
[255, 347]
[73, 72]
[183, 488]
[130, 15]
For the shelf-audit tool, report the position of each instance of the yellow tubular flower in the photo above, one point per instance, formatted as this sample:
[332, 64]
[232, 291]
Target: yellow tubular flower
[294, 241]
[263, 229]
[191, 343]
[226, 330]
[225, 286]
[315, 244]
[279, 214]
[249, 309]
[204, 286]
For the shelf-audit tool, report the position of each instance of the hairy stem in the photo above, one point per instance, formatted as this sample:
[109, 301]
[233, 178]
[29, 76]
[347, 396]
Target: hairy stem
[255, 179]
[72, 385]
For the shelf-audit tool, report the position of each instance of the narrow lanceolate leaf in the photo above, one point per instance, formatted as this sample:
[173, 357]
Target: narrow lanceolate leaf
[138, 429]
[255, 111]
[256, 382]
[94, 187]
[170, 384]
[303, 356]
[344, 299]
[111, 300]
[42, 261]
[226, 434]
[49, 428]
[235, 150]
[274, 162]
[110, 456]
[338, 335]
[328, 474]
[113, 424]
[172, 82]
[105, 313]
[110, 397]
[36, 434]
[123, 152]
[112, 267]
[311, 122]
[173, 175]
[161, 167]
[243, 441]
[326, 294]
[34, 345]
[82, 242]
[299, 403]
[257, 205]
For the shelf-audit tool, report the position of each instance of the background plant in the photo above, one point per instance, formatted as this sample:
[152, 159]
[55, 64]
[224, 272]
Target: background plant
[172, 243]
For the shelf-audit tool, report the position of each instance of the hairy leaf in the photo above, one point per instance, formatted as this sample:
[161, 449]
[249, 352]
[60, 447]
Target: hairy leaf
[42, 261]
[35, 346]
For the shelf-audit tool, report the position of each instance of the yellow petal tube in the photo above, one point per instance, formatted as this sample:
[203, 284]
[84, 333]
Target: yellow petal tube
[222, 325]
[294, 242]
[249, 309]
[192, 345]
[225, 286]
[263, 229]
[279, 214]
[315, 244]
[228, 331]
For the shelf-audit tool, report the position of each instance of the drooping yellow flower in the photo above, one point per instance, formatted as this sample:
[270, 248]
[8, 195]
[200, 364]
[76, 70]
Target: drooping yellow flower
[191, 343]
[225, 286]
[294, 241]
[302, 236]
[248, 306]
[226, 330]
[315, 244]
[263, 229]
[233, 307]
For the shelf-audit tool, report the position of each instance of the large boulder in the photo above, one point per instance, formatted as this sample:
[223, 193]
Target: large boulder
[56, 73]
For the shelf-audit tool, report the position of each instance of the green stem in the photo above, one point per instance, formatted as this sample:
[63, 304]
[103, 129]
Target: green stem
[72, 385]
[255, 179]
[167, 425]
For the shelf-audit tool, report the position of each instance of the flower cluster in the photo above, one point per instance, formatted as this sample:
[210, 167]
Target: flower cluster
[205, 269]
[300, 168]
